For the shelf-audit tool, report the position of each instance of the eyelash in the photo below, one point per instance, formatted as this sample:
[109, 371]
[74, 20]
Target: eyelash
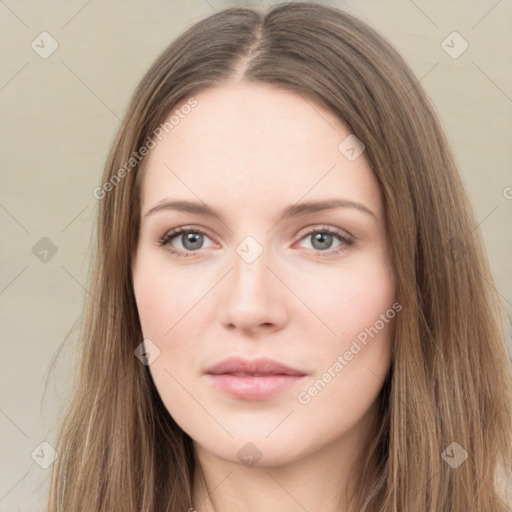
[346, 242]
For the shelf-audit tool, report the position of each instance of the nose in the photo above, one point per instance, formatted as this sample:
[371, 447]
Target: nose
[255, 296]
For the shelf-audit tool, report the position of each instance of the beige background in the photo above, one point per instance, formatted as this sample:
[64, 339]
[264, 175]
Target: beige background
[59, 116]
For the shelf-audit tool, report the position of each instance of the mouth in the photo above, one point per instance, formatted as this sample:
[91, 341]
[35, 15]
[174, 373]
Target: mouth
[253, 380]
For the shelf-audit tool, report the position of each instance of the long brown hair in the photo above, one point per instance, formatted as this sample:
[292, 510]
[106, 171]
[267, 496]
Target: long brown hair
[448, 393]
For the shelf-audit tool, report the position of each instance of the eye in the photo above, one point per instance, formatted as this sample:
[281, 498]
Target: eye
[191, 240]
[322, 239]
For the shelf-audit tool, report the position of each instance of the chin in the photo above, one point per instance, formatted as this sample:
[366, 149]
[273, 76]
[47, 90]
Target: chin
[255, 452]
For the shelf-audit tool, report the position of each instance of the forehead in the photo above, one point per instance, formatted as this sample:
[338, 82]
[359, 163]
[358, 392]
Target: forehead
[246, 142]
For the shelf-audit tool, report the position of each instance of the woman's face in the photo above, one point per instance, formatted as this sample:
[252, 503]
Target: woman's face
[265, 277]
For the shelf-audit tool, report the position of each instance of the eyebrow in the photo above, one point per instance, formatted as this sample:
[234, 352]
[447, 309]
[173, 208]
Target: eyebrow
[294, 210]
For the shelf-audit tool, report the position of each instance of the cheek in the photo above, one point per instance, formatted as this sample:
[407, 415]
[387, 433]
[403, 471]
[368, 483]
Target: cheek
[351, 298]
[169, 305]
[163, 297]
[353, 353]
[165, 320]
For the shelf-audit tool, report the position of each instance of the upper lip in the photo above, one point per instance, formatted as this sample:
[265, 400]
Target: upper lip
[262, 366]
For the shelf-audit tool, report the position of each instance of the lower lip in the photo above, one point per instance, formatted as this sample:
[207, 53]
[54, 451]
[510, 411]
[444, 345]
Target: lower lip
[254, 387]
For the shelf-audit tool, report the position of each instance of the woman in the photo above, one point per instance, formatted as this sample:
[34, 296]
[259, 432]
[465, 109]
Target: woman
[290, 305]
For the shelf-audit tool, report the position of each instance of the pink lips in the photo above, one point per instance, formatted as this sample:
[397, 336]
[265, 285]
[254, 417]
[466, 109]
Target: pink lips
[255, 379]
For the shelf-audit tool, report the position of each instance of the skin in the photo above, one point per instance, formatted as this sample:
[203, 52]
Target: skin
[247, 151]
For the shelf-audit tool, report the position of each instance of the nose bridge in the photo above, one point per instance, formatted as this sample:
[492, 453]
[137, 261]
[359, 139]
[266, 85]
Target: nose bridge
[251, 279]
[253, 297]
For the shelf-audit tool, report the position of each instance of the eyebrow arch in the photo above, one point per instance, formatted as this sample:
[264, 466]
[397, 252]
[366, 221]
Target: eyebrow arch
[290, 211]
